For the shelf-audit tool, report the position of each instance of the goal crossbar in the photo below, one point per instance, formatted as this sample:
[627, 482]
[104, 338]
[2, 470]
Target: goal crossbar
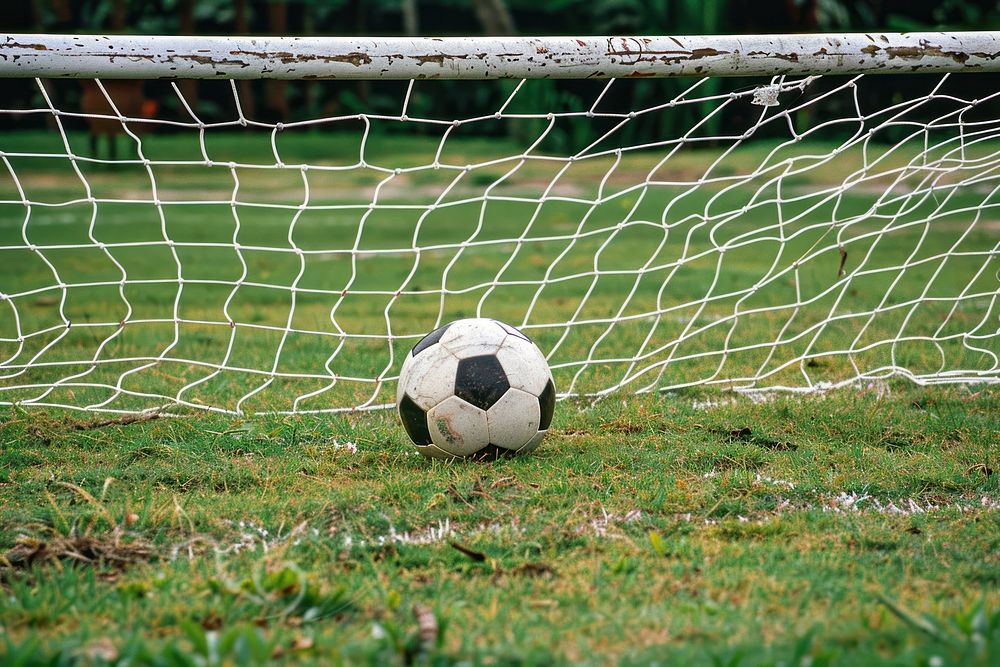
[152, 57]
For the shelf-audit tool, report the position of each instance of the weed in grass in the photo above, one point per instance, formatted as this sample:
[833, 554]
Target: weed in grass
[113, 549]
[99, 540]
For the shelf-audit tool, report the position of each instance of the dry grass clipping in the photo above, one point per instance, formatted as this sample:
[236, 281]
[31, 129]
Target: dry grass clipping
[113, 548]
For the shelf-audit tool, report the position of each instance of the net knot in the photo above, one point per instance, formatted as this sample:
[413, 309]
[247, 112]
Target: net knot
[766, 96]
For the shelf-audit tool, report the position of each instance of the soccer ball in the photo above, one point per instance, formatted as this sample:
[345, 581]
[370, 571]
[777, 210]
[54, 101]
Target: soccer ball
[475, 388]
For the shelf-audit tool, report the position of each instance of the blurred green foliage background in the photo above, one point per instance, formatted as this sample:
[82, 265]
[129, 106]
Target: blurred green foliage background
[461, 17]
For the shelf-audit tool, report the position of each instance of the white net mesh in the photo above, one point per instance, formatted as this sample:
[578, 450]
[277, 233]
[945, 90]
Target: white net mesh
[790, 236]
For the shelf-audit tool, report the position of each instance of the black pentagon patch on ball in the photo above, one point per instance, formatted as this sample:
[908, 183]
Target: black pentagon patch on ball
[414, 421]
[429, 339]
[547, 405]
[492, 453]
[481, 381]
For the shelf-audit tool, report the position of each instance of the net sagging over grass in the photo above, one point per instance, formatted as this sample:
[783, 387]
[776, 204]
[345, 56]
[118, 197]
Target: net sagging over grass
[245, 266]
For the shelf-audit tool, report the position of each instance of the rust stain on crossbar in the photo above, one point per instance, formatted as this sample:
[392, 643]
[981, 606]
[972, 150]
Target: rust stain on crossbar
[918, 52]
[356, 58]
[35, 47]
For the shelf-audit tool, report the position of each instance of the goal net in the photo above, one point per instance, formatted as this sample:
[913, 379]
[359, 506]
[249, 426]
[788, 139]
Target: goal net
[274, 234]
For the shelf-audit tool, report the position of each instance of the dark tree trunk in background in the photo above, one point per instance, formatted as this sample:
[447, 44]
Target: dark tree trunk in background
[119, 12]
[494, 16]
[37, 14]
[64, 15]
[495, 19]
[803, 18]
[64, 22]
[188, 87]
[244, 86]
[185, 9]
[240, 16]
[310, 88]
[803, 15]
[411, 22]
[361, 28]
[277, 91]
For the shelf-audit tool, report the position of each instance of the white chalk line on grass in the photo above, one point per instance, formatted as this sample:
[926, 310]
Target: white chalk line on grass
[855, 504]
[253, 536]
[818, 391]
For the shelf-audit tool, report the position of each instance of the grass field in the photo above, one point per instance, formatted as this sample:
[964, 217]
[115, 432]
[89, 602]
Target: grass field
[851, 529]
[859, 526]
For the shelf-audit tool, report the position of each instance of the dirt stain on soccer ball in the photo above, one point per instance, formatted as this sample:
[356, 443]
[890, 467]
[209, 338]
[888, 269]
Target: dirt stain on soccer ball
[444, 428]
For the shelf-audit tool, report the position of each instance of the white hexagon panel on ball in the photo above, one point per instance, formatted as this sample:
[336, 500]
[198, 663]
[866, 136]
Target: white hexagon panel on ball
[524, 365]
[473, 337]
[513, 420]
[429, 378]
[457, 427]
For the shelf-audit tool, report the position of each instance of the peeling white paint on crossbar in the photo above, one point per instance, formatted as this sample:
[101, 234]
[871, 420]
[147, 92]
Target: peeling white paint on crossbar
[153, 57]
